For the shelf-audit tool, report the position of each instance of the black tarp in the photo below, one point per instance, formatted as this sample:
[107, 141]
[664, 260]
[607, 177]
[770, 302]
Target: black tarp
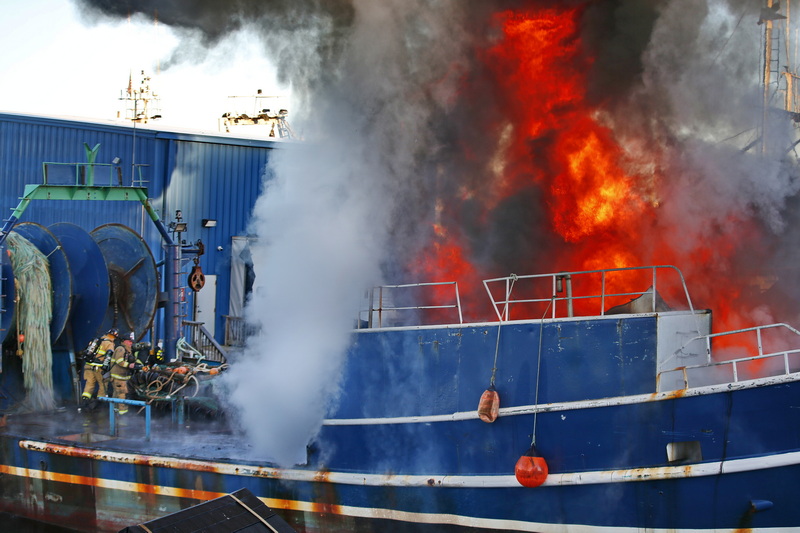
[238, 512]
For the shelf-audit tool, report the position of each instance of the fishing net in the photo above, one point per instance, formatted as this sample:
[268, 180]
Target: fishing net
[33, 313]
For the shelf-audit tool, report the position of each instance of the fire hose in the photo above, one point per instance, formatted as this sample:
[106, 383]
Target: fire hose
[184, 375]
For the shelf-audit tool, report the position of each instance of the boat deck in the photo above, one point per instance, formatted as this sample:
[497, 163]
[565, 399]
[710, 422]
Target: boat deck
[195, 438]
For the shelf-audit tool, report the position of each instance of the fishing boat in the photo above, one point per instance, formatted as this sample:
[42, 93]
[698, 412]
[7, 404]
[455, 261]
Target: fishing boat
[592, 402]
[585, 400]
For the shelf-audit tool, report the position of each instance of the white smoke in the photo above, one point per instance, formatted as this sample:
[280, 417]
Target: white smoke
[702, 76]
[319, 233]
[701, 103]
[325, 217]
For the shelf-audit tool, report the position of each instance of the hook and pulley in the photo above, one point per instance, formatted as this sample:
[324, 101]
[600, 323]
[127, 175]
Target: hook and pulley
[196, 277]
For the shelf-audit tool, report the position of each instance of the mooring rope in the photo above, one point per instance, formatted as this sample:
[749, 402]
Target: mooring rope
[34, 312]
[514, 279]
[539, 369]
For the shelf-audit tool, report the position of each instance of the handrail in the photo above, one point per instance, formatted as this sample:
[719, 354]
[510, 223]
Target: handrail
[235, 330]
[203, 342]
[735, 362]
[561, 282]
[112, 418]
[757, 329]
[381, 308]
[84, 173]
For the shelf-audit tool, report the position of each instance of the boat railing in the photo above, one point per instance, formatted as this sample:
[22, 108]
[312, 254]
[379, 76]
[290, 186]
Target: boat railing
[202, 343]
[381, 303]
[737, 364]
[562, 296]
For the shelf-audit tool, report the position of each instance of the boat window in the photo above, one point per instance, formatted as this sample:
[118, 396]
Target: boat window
[684, 452]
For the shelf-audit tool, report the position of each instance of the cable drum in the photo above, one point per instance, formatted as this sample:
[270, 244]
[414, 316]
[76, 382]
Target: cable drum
[133, 278]
[7, 295]
[90, 281]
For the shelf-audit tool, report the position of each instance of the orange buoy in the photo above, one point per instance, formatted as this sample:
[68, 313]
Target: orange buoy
[180, 370]
[489, 405]
[21, 338]
[531, 469]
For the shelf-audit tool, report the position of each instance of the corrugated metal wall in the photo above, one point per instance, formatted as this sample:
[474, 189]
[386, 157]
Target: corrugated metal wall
[205, 176]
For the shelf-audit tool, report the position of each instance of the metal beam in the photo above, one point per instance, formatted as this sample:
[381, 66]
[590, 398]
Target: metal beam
[107, 193]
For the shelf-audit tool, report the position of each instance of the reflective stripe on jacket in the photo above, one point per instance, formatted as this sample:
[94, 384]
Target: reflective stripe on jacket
[106, 345]
[122, 358]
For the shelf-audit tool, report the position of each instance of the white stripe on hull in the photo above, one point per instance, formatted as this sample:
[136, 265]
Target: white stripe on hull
[569, 406]
[358, 512]
[463, 481]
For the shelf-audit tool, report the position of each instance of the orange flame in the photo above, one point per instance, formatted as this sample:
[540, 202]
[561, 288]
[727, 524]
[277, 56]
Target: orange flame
[599, 213]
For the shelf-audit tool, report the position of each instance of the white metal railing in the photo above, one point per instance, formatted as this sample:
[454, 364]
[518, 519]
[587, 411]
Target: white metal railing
[735, 363]
[378, 305]
[235, 330]
[202, 342]
[560, 289]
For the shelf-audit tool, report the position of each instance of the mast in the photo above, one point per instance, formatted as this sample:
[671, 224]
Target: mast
[772, 63]
[766, 80]
[142, 104]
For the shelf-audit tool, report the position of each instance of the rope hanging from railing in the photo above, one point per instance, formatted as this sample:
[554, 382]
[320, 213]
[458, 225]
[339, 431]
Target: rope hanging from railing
[513, 278]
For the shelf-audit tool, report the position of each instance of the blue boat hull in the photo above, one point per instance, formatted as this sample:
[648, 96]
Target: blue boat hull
[414, 456]
[97, 495]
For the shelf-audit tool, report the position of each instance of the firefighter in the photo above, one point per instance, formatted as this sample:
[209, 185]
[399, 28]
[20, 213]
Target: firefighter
[156, 355]
[125, 364]
[93, 369]
[159, 353]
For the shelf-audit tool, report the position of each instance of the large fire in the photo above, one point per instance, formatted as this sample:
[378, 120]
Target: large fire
[600, 212]
[557, 142]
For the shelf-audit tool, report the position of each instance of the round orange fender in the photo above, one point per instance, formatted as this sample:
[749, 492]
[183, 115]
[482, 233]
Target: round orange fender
[531, 469]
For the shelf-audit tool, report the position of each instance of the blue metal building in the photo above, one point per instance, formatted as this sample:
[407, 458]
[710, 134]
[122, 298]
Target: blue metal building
[213, 177]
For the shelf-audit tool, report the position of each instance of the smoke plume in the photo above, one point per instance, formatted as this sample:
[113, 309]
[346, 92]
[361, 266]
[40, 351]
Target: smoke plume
[451, 140]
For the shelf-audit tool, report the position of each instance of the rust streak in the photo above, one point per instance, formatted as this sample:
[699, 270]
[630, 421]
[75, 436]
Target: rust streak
[111, 484]
[326, 508]
[146, 460]
[668, 395]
